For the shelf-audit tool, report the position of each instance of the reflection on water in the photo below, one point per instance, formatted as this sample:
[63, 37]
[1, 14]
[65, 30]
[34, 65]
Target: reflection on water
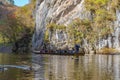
[15, 67]
[88, 67]
[48, 67]
[5, 67]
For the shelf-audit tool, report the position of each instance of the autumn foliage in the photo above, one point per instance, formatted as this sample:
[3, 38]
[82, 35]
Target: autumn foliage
[15, 22]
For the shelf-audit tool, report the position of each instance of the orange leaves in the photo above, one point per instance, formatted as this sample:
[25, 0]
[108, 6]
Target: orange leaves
[12, 15]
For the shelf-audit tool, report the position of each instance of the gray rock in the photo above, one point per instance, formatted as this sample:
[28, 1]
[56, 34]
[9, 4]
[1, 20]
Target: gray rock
[64, 12]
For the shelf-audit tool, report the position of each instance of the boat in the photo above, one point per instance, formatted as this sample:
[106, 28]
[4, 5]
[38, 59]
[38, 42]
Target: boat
[57, 53]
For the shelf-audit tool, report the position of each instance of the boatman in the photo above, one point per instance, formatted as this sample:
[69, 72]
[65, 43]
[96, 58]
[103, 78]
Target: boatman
[77, 48]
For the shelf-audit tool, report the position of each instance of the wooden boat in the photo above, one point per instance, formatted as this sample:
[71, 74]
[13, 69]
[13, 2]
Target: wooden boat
[53, 53]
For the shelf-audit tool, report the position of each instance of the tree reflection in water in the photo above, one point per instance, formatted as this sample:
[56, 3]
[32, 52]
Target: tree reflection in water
[15, 67]
[53, 67]
[88, 67]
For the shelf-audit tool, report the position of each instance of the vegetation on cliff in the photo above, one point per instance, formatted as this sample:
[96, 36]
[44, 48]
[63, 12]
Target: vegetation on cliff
[88, 31]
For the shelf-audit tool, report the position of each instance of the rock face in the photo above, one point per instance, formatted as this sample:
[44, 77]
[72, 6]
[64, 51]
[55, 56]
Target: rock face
[113, 41]
[59, 11]
[6, 1]
[64, 12]
[6, 9]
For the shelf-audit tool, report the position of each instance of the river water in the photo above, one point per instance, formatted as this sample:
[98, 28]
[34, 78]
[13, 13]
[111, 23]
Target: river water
[54, 67]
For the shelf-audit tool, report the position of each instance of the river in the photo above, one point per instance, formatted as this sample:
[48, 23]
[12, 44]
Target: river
[54, 67]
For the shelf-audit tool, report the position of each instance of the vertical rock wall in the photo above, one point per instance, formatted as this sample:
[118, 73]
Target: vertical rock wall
[64, 12]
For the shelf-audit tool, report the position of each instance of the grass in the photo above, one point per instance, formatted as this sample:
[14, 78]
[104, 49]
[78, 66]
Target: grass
[108, 51]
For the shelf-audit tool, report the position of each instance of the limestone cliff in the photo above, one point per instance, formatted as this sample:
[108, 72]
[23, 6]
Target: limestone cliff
[59, 11]
[64, 12]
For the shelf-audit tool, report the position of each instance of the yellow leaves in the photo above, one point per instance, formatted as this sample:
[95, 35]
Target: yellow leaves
[108, 5]
[15, 21]
[53, 26]
[97, 2]
[46, 36]
[24, 14]
[81, 25]
[24, 8]
[103, 14]
[115, 4]
[101, 2]
[77, 41]
[111, 17]
[80, 29]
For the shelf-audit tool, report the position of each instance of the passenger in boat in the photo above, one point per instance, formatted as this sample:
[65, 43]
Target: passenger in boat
[42, 51]
[66, 51]
[55, 51]
[77, 48]
[70, 50]
[60, 51]
[46, 51]
[73, 51]
[52, 51]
